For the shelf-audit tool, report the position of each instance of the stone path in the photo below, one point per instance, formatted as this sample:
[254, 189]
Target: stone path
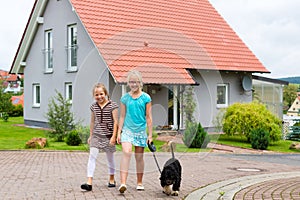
[236, 173]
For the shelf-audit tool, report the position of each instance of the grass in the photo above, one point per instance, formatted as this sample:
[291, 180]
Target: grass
[13, 137]
[241, 141]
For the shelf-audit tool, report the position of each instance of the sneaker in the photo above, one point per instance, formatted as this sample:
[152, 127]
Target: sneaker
[122, 188]
[86, 187]
[140, 187]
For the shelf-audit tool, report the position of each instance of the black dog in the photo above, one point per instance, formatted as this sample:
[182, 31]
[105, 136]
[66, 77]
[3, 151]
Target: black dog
[171, 176]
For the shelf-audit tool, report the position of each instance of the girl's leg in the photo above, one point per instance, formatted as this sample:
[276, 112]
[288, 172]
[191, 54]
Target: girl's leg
[92, 164]
[111, 166]
[125, 161]
[139, 157]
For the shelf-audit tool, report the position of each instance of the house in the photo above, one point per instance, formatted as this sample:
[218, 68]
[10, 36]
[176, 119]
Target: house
[294, 110]
[12, 82]
[269, 92]
[18, 100]
[69, 45]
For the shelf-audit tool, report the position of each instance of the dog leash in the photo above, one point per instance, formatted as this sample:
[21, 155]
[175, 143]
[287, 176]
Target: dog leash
[152, 148]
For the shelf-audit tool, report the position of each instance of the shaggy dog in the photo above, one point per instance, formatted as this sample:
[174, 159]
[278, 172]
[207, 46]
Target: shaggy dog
[170, 178]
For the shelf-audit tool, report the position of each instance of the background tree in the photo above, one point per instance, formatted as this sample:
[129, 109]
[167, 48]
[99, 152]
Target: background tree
[189, 104]
[194, 135]
[289, 95]
[5, 100]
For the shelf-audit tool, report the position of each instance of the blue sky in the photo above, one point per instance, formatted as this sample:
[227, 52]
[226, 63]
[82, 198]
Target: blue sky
[270, 28]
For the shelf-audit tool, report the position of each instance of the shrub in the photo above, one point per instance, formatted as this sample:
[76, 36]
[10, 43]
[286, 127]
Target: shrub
[195, 136]
[73, 138]
[5, 116]
[83, 132]
[260, 139]
[16, 111]
[60, 118]
[242, 118]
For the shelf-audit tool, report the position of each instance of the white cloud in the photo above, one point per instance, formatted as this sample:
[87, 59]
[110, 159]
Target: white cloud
[270, 28]
[14, 15]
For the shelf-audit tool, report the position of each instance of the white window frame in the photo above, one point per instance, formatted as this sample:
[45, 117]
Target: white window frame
[36, 97]
[72, 47]
[48, 51]
[68, 93]
[225, 95]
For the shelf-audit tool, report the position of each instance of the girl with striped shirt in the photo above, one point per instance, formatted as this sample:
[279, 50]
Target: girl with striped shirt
[103, 132]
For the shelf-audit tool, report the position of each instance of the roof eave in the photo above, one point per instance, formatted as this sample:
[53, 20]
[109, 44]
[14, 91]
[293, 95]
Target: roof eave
[28, 36]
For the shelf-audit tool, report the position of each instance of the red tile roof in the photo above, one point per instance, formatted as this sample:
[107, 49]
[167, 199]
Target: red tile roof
[4, 75]
[164, 38]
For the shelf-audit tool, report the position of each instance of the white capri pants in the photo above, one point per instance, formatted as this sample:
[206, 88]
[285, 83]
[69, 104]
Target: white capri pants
[92, 162]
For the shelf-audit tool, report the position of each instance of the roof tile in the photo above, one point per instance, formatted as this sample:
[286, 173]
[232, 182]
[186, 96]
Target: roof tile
[164, 38]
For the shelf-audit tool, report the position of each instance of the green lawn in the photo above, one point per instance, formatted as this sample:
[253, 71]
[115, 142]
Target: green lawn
[13, 137]
[241, 141]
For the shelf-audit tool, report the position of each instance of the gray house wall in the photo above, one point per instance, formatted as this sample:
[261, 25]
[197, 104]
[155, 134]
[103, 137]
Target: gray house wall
[206, 92]
[91, 67]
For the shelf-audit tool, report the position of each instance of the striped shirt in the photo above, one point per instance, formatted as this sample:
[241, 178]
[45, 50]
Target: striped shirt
[103, 124]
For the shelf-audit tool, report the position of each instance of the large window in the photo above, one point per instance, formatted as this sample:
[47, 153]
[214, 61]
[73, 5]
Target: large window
[222, 95]
[48, 51]
[68, 91]
[36, 95]
[72, 48]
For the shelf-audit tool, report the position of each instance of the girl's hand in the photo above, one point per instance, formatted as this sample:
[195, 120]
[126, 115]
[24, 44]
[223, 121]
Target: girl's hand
[119, 138]
[149, 139]
[89, 140]
[112, 141]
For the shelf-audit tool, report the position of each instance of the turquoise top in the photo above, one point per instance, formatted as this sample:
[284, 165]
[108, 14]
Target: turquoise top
[135, 116]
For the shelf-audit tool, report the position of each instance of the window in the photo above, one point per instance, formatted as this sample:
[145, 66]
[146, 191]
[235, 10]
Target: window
[36, 95]
[68, 92]
[48, 52]
[72, 48]
[222, 95]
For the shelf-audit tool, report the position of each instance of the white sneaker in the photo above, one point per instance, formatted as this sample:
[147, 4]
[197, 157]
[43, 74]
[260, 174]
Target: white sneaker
[122, 188]
[140, 187]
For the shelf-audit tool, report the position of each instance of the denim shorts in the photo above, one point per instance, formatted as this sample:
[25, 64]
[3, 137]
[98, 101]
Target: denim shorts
[136, 139]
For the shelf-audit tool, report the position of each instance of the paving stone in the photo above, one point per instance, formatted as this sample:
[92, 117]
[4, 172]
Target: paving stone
[59, 174]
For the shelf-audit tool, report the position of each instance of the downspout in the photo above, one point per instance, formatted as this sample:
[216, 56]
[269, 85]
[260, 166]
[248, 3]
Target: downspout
[175, 107]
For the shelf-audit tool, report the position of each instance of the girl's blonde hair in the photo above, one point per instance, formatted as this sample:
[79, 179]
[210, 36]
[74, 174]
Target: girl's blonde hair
[100, 85]
[137, 74]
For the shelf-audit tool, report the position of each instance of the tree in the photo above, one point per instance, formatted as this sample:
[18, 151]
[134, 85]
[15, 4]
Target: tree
[5, 100]
[60, 118]
[190, 105]
[289, 94]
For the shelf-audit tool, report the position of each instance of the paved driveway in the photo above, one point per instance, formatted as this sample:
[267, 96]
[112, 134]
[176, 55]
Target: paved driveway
[58, 175]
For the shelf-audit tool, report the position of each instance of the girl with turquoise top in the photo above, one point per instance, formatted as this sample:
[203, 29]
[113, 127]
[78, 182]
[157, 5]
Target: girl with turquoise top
[135, 118]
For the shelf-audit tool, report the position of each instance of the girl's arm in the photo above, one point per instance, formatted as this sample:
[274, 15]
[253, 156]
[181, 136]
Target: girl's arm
[149, 121]
[91, 126]
[115, 129]
[121, 121]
